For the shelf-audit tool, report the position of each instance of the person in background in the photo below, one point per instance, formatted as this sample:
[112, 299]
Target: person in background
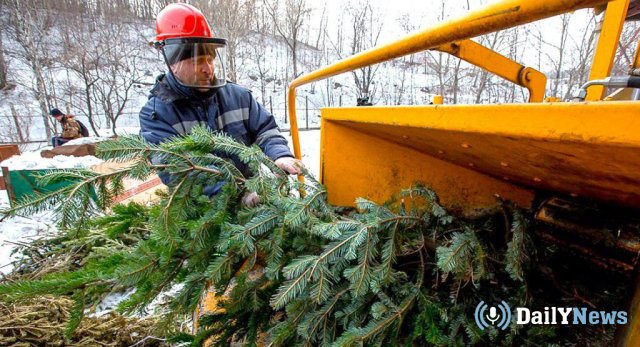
[71, 128]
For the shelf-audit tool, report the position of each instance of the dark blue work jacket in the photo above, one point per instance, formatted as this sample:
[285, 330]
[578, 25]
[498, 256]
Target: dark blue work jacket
[173, 110]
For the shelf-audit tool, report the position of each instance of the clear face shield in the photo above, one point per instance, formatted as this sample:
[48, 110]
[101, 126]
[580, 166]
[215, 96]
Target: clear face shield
[196, 62]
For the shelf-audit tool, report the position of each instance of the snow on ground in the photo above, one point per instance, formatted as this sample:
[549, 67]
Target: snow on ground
[111, 302]
[20, 230]
[23, 230]
[310, 148]
[33, 161]
[105, 134]
[86, 140]
[120, 131]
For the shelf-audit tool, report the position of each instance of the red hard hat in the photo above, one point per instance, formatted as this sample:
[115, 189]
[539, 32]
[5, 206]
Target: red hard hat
[181, 21]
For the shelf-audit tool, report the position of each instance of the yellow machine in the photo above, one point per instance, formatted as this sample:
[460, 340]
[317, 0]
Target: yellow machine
[475, 155]
[584, 149]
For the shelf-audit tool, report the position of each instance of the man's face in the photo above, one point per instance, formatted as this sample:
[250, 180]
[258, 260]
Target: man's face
[196, 71]
[58, 118]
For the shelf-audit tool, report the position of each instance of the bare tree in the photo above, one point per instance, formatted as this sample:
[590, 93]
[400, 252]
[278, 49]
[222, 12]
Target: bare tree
[581, 54]
[82, 59]
[3, 66]
[440, 62]
[569, 57]
[258, 49]
[231, 19]
[365, 28]
[17, 123]
[288, 23]
[104, 58]
[146, 9]
[31, 24]
[15, 129]
[626, 48]
[3, 62]
[118, 71]
[558, 66]
[333, 51]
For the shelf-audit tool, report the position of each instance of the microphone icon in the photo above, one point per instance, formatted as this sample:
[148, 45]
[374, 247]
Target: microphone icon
[493, 315]
[499, 316]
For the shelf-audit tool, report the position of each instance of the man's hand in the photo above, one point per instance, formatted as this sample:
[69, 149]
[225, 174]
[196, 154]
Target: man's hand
[289, 165]
[250, 199]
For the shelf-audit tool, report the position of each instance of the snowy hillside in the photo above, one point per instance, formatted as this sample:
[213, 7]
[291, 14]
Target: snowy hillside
[96, 69]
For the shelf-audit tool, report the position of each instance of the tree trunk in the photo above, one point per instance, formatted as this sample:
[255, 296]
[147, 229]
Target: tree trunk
[87, 94]
[294, 58]
[14, 114]
[113, 127]
[3, 66]
[456, 81]
[41, 94]
[561, 48]
[231, 59]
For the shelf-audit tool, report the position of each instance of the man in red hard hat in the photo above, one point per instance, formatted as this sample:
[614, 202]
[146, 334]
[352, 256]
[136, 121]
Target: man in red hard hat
[195, 92]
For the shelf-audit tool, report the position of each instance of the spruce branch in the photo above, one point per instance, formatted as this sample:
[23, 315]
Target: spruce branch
[76, 313]
[517, 257]
[293, 268]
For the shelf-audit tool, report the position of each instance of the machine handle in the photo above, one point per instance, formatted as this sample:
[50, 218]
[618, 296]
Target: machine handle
[633, 82]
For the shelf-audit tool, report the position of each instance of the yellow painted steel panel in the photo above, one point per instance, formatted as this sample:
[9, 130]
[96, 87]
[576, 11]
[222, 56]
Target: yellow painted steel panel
[585, 149]
[494, 62]
[358, 164]
[610, 30]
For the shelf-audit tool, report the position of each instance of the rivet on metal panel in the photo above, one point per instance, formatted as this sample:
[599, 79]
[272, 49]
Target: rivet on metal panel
[505, 178]
[405, 137]
[502, 163]
[537, 179]
[465, 145]
[471, 165]
[440, 152]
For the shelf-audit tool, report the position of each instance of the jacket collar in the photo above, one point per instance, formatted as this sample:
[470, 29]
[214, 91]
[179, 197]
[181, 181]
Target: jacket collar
[169, 90]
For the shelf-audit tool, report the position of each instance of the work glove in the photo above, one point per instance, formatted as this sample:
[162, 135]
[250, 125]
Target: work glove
[289, 165]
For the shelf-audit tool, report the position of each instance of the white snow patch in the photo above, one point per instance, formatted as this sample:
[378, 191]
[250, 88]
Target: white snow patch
[156, 306]
[110, 302]
[33, 161]
[310, 148]
[120, 131]
[4, 200]
[86, 140]
[21, 230]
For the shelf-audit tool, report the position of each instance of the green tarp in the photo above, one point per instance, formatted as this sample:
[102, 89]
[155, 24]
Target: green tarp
[25, 182]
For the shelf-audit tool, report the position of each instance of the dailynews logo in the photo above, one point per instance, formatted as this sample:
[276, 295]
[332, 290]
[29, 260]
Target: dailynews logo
[501, 316]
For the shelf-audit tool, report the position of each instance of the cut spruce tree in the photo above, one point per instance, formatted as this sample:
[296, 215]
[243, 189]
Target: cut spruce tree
[403, 273]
